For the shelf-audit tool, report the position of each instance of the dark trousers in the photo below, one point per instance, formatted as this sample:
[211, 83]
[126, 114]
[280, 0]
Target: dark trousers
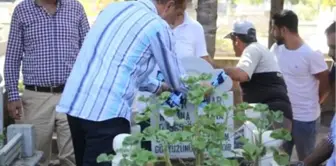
[90, 138]
[303, 138]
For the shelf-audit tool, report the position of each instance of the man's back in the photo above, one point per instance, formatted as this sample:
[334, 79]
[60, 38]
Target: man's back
[266, 84]
[120, 49]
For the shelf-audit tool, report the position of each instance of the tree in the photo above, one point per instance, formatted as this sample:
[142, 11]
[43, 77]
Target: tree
[207, 17]
[276, 6]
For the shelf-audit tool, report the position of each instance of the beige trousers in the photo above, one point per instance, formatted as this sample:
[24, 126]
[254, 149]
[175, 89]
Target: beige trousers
[39, 110]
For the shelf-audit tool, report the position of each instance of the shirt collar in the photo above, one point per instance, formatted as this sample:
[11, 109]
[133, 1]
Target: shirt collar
[149, 4]
[186, 19]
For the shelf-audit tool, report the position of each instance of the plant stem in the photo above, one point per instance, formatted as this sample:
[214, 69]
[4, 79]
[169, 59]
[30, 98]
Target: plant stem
[166, 155]
[199, 156]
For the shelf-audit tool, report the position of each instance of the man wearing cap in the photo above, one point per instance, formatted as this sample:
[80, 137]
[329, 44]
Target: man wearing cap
[258, 72]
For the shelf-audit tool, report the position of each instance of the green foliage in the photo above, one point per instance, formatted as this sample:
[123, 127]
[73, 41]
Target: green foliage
[205, 136]
[21, 86]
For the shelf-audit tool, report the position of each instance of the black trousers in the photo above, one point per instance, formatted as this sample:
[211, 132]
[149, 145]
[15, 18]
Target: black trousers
[90, 138]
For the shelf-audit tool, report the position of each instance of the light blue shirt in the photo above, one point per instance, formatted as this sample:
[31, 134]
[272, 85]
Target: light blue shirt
[120, 51]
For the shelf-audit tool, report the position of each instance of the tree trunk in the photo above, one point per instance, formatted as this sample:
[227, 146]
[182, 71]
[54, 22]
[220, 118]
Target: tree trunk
[207, 17]
[276, 6]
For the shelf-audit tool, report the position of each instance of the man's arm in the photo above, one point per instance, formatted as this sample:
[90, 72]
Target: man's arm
[324, 86]
[200, 45]
[162, 47]
[13, 57]
[246, 65]
[84, 26]
[322, 152]
[319, 68]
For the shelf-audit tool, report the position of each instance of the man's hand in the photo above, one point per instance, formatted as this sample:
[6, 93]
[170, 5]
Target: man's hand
[15, 109]
[209, 92]
[163, 88]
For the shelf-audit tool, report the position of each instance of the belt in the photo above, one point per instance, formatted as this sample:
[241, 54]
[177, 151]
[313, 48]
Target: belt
[53, 89]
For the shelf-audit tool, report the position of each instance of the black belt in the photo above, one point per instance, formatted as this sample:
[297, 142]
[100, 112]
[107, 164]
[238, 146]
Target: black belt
[53, 89]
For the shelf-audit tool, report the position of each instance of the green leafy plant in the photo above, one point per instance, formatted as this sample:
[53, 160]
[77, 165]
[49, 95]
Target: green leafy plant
[206, 136]
[254, 150]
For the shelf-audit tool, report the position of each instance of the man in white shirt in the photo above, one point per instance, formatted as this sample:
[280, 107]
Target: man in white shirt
[306, 77]
[189, 35]
[257, 72]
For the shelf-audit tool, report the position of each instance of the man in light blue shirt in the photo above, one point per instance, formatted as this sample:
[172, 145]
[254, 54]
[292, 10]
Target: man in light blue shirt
[120, 51]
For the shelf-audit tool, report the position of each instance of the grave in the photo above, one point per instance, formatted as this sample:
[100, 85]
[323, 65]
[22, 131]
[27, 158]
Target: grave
[196, 66]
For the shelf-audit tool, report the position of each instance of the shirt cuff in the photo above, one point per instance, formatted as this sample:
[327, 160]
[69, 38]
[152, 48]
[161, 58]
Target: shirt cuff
[151, 85]
[13, 96]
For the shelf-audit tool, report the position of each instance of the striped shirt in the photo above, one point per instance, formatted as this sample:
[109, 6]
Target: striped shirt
[120, 51]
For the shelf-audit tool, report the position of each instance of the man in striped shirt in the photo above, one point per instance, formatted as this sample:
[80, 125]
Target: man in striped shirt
[120, 51]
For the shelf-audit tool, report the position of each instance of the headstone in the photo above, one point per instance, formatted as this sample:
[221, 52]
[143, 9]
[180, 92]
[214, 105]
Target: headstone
[196, 66]
[28, 137]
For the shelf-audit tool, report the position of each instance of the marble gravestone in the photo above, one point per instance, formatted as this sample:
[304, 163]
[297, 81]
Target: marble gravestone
[194, 66]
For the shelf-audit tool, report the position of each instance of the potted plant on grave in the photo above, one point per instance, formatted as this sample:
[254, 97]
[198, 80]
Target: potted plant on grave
[205, 136]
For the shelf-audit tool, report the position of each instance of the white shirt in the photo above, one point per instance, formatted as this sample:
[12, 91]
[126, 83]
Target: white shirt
[190, 39]
[256, 58]
[298, 68]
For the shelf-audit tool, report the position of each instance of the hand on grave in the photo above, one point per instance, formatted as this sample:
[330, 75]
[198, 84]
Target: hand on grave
[15, 109]
[163, 88]
[209, 92]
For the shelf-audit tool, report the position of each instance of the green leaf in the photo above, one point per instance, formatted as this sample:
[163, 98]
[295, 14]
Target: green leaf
[261, 107]
[150, 133]
[281, 134]
[132, 140]
[228, 162]
[240, 116]
[179, 121]
[163, 134]
[204, 77]
[199, 143]
[170, 112]
[164, 96]
[143, 99]
[104, 158]
[280, 158]
[242, 107]
[277, 116]
[141, 118]
[225, 96]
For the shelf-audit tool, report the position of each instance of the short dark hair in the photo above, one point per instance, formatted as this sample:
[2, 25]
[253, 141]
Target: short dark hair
[331, 29]
[288, 19]
[178, 3]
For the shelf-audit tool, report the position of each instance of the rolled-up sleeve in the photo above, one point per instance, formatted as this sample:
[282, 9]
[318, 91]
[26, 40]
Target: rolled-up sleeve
[150, 85]
[14, 54]
[162, 47]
